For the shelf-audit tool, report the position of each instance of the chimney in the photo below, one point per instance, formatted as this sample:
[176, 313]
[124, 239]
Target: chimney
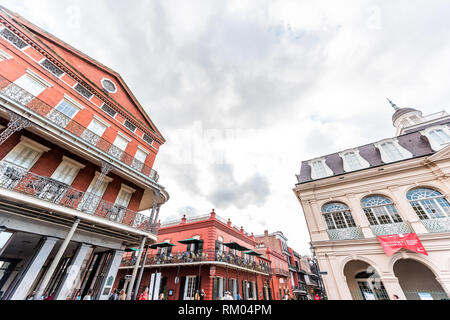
[229, 223]
[183, 220]
[242, 230]
[212, 214]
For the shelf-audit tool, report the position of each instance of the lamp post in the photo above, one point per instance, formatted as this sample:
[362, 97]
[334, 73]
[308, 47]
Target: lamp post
[313, 263]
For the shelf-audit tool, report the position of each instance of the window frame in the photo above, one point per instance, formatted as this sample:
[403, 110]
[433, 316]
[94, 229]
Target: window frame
[327, 170]
[26, 142]
[404, 154]
[435, 145]
[434, 199]
[370, 212]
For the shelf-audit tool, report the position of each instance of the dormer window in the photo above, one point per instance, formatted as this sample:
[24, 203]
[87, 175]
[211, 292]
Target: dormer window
[439, 136]
[319, 169]
[353, 161]
[391, 151]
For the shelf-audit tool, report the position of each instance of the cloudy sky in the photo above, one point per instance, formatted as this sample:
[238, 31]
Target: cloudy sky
[243, 91]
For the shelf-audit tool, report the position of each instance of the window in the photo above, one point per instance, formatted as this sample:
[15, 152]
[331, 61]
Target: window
[189, 288]
[139, 159]
[428, 203]
[438, 136]
[391, 151]
[129, 126]
[110, 111]
[26, 153]
[97, 127]
[94, 131]
[352, 161]
[92, 197]
[380, 210]
[124, 196]
[83, 91]
[147, 139]
[67, 108]
[32, 83]
[14, 39]
[319, 169]
[67, 171]
[52, 68]
[108, 85]
[4, 55]
[338, 216]
[121, 142]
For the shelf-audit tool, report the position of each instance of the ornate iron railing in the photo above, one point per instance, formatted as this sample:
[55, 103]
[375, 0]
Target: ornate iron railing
[391, 228]
[345, 234]
[301, 287]
[15, 178]
[280, 272]
[437, 225]
[23, 97]
[181, 257]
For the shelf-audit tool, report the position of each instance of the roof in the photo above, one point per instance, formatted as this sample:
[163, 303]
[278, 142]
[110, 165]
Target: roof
[399, 112]
[417, 144]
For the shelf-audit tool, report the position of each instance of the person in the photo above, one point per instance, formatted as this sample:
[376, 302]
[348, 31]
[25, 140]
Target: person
[88, 296]
[122, 295]
[31, 295]
[286, 296]
[238, 296]
[197, 295]
[202, 294]
[316, 297]
[161, 296]
[144, 294]
[396, 297]
[114, 295]
[49, 297]
[228, 296]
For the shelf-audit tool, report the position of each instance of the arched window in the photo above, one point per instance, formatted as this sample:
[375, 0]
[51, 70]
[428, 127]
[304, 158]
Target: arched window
[428, 203]
[338, 216]
[380, 210]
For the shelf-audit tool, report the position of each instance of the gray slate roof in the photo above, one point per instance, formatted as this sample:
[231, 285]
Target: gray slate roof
[413, 141]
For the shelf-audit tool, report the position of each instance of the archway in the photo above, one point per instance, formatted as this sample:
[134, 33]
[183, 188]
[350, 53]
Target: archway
[363, 281]
[418, 282]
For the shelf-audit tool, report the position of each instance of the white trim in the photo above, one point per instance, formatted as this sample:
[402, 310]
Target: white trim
[38, 78]
[123, 136]
[328, 171]
[385, 158]
[73, 101]
[115, 86]
[106, 178]
[4, 55]
[362, 161]
[434, 144]
[106, 124]
[127, 188]
[143, 150]
[73, 162]
[33, 144]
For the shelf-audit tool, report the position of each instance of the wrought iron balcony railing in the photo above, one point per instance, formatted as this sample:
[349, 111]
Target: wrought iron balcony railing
[280, 272]
[301, 287]
[23, 97]
[18, 179]
[391, 228]
[181, 257]
[345, 234]
[437, 225]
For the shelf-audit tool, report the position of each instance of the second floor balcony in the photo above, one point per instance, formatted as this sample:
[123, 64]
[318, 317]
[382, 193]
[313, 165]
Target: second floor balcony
[300, 287]
[203, 256]
[437, 224]
[350, 233]
[391, 228]
[17, 179]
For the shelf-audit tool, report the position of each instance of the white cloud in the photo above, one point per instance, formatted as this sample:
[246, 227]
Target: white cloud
[270, 83]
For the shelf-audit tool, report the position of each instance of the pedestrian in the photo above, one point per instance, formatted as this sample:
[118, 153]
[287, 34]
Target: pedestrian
[31, 295]
[161, 296]
[202, 294]
[395, 297]
[238, 296]
[88, 296]
[316, 297]
[144, 294]
[122, 295]
[197, 295]
[228, 296]
[114, 295]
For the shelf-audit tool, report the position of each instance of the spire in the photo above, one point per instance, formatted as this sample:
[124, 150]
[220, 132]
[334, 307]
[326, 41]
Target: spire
[393, 104]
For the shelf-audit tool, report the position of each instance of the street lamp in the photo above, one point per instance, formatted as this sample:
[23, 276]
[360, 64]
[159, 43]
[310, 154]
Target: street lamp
[313, 263]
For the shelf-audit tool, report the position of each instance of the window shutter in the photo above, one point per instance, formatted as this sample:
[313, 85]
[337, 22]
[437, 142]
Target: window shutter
[198, 283]
[181, 293]
[200, 247]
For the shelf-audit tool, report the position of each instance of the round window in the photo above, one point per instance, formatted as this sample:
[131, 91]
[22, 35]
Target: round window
[108, 85]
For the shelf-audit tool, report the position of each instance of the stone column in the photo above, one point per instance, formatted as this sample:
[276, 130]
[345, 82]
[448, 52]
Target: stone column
[392, 287]
[33, 268]
[135, 269]
[314, 215]
[72, 272]
[406, 211]
[110, 276]
[359, 216]
[55, 262]
[155, 202]
[335, 282]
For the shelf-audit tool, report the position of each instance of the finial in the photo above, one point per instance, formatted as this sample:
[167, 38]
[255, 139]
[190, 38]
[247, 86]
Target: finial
[393, 104]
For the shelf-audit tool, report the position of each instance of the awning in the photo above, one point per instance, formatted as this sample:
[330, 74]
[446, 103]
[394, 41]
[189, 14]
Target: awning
[161, 245]
[190, 241]
[252, 253]
[236, 246]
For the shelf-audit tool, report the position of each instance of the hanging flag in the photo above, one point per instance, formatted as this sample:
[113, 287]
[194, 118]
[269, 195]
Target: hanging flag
[392, 243]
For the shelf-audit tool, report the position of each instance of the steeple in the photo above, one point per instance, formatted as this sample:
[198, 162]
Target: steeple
[393, 104]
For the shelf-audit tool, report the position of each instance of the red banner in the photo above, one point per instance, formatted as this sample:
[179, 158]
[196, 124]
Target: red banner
[392, 243]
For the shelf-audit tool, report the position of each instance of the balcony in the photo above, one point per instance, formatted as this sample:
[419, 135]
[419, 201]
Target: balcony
[281, 272]
[292, 267]
[43, 110]
[188, 257]
[17, 179]
[345, 234]
[300, 288]
[391, 228]
[437, 225]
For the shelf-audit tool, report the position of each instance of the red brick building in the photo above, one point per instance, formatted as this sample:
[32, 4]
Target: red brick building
[76, 157]
[204, 260]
